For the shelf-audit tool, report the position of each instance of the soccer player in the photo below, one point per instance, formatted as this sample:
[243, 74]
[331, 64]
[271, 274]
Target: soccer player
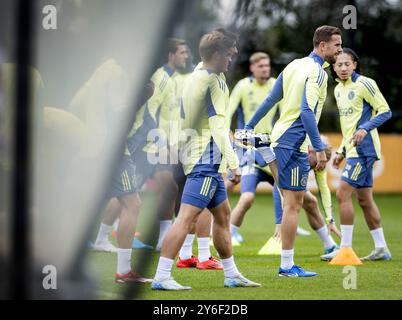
[245, 98]
[203, 226]
[99, 115]
[166, 100]
[362, 109]
[302, 89]
[144, 122]
[127, 206]
[206, 154]
[258, 172]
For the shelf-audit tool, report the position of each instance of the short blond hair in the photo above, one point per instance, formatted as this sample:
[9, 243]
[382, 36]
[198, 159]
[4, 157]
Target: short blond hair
[256, 57]
[215, 41]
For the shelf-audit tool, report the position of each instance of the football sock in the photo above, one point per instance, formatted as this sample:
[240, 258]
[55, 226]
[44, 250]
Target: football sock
[287, 259]
[378, 237]
[325, 237]
[103, 234]
[164, 268]
[229, 268]
[234, 228]
[116, 224]
[186, 251]
[347, 234]
[123, 260]
[164, 226]
[204, 253]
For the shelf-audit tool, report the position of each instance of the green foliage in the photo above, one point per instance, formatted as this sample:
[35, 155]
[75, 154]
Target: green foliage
[285, 29]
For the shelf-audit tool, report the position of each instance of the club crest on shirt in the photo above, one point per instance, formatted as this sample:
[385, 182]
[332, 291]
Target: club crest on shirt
[351, 95]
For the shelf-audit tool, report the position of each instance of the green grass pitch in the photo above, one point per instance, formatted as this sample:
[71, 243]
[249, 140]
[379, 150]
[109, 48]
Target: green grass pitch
[375, 280]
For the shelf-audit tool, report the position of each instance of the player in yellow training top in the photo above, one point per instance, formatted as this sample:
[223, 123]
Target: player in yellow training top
[362, 109]
[302, 89]
[246, 97]
[206, 154]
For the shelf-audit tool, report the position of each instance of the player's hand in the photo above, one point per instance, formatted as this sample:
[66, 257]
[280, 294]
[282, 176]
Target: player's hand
[277, 232]
[332, 228]
[358, 137]
[236, 175]
[321, 161]
[337, 160]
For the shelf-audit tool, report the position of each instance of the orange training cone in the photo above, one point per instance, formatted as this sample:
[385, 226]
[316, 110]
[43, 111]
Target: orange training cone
[346, 257]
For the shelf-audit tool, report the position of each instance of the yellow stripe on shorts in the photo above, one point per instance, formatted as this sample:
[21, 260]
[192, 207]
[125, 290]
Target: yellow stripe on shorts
[356, 172]
[295, 177]
[205, 186]
[128, 179]
[123, 181]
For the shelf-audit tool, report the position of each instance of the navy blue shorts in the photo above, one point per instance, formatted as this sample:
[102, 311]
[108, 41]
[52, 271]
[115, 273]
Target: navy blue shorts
[125, 181]
[204, 191]
[250, 180]
[134, 170]
[293, 169]
[358, 172]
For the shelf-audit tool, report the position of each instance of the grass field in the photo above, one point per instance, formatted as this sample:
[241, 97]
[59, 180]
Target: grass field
[375, 280]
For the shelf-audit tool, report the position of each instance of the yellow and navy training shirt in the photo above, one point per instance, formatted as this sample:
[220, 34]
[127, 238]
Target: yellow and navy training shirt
[164, 104]
[301, 89]
[146, 120]
[207, 147]
[179, 80]
[361, 106]
[246, 97]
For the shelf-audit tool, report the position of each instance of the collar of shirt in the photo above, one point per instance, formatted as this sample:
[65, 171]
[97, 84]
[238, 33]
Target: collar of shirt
[319, 60]
[350, 80]
[253, 80]
[168, 70]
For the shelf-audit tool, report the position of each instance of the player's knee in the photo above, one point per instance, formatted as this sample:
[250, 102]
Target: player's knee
[366, 202]
[342, 196]
[222, 218]
[131, 203]
[310, 202]
[186, 221]
[247, 200]
[293, 207]
[363, 202]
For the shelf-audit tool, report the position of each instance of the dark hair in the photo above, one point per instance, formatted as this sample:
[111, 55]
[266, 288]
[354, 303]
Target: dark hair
[354, 57]
[324, 33]
[173, 44]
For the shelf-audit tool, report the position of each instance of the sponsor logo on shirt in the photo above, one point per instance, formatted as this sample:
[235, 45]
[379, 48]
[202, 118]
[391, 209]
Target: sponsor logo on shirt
[344, 112]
